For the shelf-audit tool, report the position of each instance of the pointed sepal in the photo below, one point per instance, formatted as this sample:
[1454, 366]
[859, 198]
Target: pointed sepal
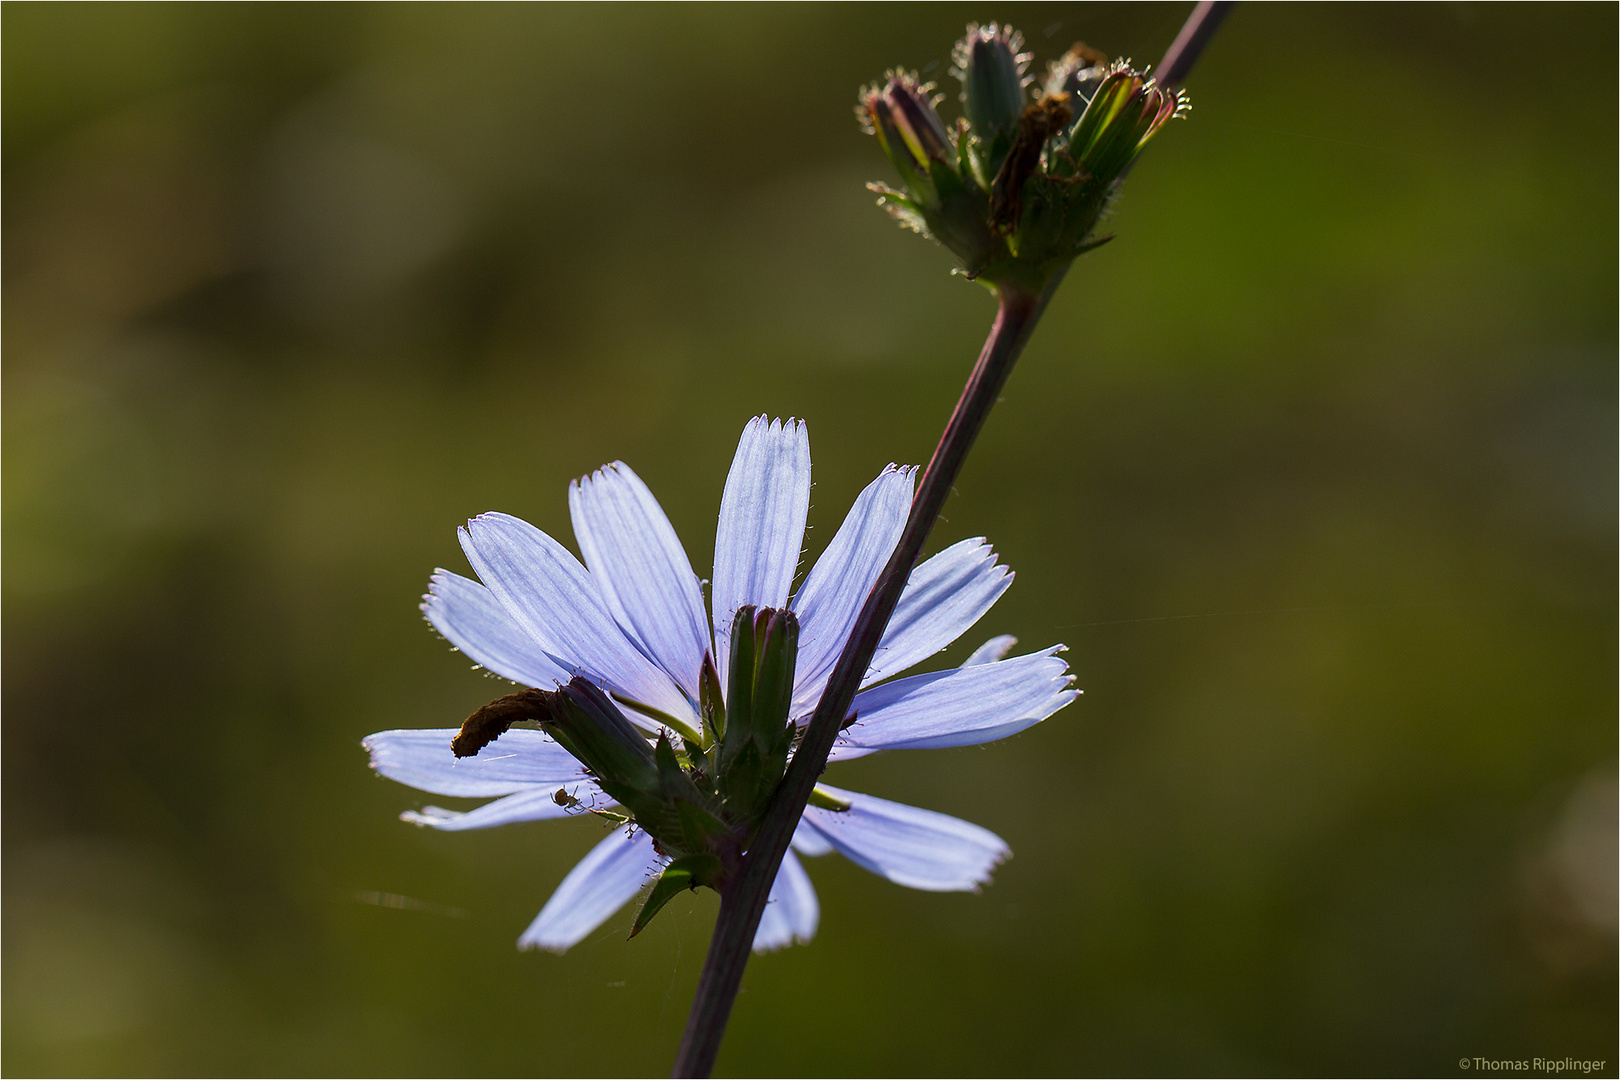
[682, 874]
[711, 701]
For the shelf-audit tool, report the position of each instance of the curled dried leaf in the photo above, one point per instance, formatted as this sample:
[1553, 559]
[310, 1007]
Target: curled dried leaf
[1040, 122]
[491, 721]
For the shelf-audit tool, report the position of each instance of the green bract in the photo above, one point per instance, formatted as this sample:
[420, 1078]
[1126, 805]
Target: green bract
[758, 734]
[1015, 189]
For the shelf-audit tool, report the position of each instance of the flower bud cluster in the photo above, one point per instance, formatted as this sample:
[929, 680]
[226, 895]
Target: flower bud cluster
[702, 801]
[1016, 187]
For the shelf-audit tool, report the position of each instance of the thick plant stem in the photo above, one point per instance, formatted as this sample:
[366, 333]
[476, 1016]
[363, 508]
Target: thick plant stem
[743, 902]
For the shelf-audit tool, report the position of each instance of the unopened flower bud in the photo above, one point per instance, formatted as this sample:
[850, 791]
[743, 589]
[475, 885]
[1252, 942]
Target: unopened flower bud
[940, 199]
[991, 68]
[1125, 112]
[908, 110]
[754, 750]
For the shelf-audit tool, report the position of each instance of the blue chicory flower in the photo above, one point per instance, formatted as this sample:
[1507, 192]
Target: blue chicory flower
[632, 620]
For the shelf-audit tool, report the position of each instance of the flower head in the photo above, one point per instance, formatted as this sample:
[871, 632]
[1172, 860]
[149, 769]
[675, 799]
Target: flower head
[630, 716]
[1015, 189]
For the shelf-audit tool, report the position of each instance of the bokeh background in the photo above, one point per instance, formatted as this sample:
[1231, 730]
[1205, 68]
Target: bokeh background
[1313, 468]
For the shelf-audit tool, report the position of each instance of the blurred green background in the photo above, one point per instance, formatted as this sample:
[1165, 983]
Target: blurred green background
[1313, 468]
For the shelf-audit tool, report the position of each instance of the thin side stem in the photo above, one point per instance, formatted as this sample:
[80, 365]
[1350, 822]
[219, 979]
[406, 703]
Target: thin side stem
[743, 903]
[1189, 44]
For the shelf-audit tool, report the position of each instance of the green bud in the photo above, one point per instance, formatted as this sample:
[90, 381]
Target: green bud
[1126, 111]
[991, 68]
[776, 651]
[754, 749]
[902, 115]
[942, 199]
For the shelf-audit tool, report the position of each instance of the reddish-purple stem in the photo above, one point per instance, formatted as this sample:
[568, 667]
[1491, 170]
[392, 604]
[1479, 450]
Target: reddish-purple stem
[743, 903]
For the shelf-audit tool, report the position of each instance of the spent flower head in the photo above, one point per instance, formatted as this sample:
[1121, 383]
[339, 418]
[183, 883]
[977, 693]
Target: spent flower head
[1016, 186]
